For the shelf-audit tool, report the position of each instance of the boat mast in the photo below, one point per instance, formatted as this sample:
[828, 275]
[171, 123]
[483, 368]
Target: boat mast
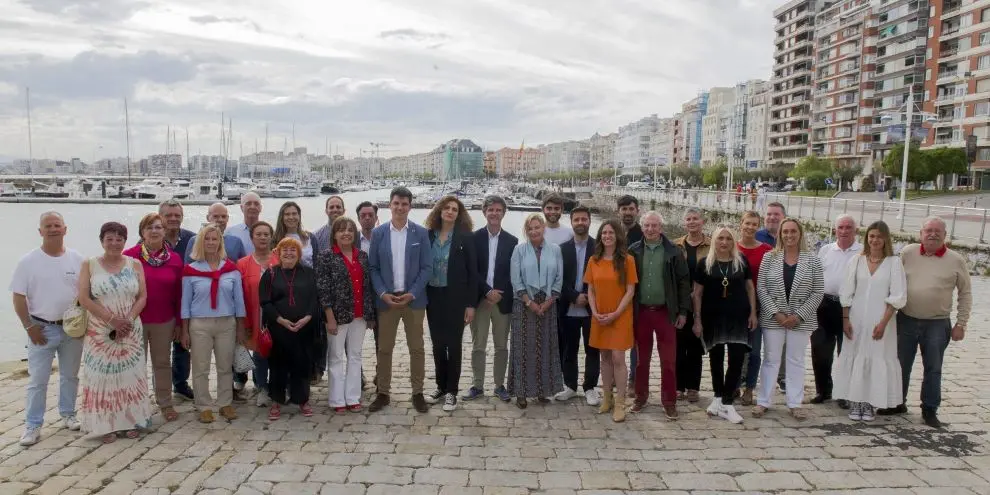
[188, 165]
[127, 138]
[27, 99]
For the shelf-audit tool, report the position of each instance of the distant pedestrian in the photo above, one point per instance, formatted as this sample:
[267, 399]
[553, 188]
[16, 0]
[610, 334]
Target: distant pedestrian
[44, 286]
[933, 273]
[869, 374]
[113, 291]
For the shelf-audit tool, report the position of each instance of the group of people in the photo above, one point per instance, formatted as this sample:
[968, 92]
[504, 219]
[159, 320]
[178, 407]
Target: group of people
[293, 304]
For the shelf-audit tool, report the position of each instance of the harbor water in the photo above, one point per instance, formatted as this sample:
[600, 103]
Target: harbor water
[20, 221]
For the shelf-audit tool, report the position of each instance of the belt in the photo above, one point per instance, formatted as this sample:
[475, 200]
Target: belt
[653, 307]
[46, 322]
[830, 297]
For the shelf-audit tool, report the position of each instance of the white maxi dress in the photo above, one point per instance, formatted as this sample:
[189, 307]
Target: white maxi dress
[868, 370]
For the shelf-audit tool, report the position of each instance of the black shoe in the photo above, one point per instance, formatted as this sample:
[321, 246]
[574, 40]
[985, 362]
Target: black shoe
[821, 398]
[184, 391]
[521, 402]
[931, 419]
[843, 403]
[381, 400]
[783, 386]
[419, 403]
[890, 411]
[239, 396]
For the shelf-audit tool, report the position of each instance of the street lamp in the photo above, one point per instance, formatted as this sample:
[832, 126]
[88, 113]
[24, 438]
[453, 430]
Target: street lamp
[909, 116]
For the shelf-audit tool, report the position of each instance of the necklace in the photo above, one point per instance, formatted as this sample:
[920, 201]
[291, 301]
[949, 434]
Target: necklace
[875, 260]
[725, 281]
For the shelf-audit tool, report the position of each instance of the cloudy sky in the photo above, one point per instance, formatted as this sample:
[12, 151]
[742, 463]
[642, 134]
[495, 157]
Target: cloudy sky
[407, 73]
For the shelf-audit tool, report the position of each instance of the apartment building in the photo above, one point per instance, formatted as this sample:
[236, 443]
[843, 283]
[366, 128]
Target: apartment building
[662, 144]
[757, 124]
[566, 156]
[688, 130]
[845, 57]
[632, 151]
[790, 105]
[957, 79]
[517, 161]
[716, 123]
[602, 150]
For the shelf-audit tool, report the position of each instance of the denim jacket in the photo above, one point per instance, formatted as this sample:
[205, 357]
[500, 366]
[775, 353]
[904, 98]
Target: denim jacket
[532, 276]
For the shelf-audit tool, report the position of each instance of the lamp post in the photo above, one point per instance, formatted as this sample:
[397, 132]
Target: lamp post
[909, 115]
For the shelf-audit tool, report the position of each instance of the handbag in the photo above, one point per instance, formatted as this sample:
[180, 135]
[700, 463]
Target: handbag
[243, 362]
[264, 343]
[75, 320]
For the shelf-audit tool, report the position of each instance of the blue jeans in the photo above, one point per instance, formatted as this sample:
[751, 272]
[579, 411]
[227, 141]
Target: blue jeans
[260, 372]
[933, 338]
[180, 366]
[69, 352]
[755, 353]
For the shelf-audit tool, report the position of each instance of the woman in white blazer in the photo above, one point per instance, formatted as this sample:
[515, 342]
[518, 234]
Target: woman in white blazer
[790, 287]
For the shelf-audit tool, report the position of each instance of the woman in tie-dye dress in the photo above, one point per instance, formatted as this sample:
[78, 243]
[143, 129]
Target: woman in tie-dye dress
[115, 382]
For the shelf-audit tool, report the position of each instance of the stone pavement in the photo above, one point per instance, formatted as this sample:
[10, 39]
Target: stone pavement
[488, 447]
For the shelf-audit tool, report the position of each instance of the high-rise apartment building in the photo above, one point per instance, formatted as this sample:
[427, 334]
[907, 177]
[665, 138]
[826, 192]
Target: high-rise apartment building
[845, 56]
[757, 125]
[662, 144]
[602, 151]
[688, 131]
[957, 78]
[790, 106]
[632, 152]
[715, 124]
[902, 30]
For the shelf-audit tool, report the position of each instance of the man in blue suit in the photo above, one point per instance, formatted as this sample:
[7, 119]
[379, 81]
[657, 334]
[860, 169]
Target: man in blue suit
[401, 265]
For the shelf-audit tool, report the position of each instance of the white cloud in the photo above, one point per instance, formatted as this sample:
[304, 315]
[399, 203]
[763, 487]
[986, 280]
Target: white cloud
[409, 73]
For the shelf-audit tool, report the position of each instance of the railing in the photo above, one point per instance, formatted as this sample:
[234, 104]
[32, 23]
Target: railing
[962, 223]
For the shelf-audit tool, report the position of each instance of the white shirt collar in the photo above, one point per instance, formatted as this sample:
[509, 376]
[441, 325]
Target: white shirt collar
[856, 246]
[490, 234]
[403, 229]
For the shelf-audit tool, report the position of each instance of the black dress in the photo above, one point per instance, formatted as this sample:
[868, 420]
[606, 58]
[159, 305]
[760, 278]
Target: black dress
[290, 294]
[724, 310]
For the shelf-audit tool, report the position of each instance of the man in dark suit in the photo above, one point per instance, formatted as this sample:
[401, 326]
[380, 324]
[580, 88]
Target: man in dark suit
[494, 248]
[575, 318]
[401, 264]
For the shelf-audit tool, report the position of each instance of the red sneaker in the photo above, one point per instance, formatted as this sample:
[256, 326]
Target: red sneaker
[354, 408]
[306, 410]
[274, 412]
[340, 410]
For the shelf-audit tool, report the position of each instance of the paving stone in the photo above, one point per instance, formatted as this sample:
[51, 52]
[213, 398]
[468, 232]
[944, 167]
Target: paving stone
[603, 480]
[230, 476]
[950, 477]
[488, 478]
[772, 481]
[836, 480]
[682, 481]
[295, 488]
[380, 474]
[281, 473]
[434, 476]
[560, 479]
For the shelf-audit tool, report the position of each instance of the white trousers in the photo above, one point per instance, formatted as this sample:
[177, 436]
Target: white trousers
[792, 344]
[344, 358]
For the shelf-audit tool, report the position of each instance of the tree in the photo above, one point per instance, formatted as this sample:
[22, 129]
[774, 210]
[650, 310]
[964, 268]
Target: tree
[947, 161]
[690, 176]
[815, 181]
[919, 170]
[714, 174]
[812, 164]
[846, 173]
[778, 171]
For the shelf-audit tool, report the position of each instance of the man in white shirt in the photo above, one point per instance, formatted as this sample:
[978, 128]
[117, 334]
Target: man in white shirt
[251, 209]
[575, 318]
[334, 208]
[45, 285]
[827, 339]
[553, 208]
[367, 213]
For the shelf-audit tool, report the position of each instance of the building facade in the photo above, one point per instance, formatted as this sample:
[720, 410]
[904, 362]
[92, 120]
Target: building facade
[601, 150]
[757, 125]
[632, 154]
[790, 106]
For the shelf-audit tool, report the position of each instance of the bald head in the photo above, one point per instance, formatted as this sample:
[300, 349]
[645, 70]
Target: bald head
[218, 214]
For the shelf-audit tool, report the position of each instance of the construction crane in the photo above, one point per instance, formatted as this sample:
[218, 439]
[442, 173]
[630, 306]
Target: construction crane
[377, 155]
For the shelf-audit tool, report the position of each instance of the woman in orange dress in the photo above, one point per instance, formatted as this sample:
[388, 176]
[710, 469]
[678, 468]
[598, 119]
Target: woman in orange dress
[251, 268]
[611, 278]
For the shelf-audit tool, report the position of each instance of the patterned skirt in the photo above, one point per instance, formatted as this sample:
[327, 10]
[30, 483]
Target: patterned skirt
[115, 381]
[534, 359]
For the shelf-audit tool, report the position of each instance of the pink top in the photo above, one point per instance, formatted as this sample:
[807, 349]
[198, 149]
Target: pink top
[164, 285]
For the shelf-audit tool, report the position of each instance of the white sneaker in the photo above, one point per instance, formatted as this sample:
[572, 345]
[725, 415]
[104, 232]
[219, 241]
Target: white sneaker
[729, 414]
[31, 436]
[262, 400]
[868, 413]
[592, 397]
[715, 408]
[71, 423]
[855, 411]
[567, 394]
[449, 402]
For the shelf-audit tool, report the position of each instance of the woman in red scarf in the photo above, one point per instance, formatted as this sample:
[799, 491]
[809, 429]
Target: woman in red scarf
[290, 310]
[212, 320]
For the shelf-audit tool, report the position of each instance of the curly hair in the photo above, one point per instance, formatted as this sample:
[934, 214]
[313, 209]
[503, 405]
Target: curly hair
[621, 249]
[434, 221]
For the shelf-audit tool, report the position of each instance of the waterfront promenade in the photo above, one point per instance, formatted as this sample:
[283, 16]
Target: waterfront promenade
[489, 447]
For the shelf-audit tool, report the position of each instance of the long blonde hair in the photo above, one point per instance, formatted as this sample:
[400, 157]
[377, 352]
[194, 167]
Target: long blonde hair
[802, 242]
[737, 258]
[199, 247]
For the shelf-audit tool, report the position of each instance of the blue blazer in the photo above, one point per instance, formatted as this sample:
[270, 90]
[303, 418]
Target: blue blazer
[419, 263]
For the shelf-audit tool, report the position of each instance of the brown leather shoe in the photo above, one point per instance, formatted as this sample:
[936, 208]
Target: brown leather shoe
[671, 412]
[419, 403]
[206, 416]
[692, 396]
[228, 413]
[637, 406]
[381, 400]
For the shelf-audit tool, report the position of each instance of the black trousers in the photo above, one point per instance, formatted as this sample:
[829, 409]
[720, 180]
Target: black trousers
[825, 340]
[290, 365]
[571, 331]
[446, 323]
[689, 357]
[724, 382]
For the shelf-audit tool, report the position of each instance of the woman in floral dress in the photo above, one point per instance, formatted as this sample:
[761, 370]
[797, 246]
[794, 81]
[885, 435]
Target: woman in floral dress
[115, 381]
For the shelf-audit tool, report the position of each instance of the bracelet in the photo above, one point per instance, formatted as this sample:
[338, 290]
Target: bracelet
[30, 326]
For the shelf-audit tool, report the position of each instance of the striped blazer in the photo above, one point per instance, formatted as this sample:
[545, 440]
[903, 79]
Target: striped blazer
[807, 290]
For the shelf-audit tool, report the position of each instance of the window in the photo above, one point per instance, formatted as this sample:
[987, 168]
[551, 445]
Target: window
[928, 76]
[909, 60]
[982, 109]
[985, 16]
[983, 154]
[983, 85]
[985, 38]
[984, 63]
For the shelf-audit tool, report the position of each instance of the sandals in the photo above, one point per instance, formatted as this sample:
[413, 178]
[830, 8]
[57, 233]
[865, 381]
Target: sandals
[354, 408]
[112, 437]
[109, 438]
[132, 434]
[340, 409]
[170, 414]
[759, 411]
[799, 413]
